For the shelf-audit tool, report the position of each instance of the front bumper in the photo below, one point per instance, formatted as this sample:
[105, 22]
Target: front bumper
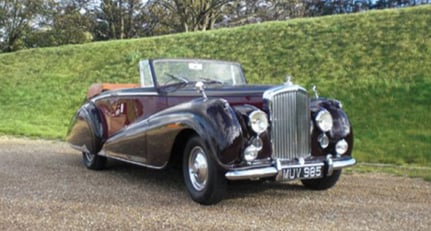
[330, 164]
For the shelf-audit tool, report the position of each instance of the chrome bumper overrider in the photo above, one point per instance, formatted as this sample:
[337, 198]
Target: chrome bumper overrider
[329, 162]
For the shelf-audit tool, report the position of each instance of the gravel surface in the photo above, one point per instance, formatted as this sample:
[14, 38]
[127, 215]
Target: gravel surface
[44, 186]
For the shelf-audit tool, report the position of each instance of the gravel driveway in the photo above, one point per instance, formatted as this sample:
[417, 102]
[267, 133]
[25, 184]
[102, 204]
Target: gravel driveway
[44, 186]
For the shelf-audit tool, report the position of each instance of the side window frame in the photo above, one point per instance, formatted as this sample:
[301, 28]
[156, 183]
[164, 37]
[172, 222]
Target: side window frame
[146, 75]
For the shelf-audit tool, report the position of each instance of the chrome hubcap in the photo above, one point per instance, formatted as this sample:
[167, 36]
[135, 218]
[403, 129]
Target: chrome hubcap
[198, 168]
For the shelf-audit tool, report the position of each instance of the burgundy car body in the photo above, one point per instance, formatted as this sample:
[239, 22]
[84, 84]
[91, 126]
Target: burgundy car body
[150, 124]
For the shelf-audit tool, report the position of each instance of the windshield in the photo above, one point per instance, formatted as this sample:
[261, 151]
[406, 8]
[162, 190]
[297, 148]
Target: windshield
[175, 71]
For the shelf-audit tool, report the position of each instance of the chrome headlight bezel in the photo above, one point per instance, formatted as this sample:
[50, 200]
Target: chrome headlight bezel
[324, 120]
[258, 121]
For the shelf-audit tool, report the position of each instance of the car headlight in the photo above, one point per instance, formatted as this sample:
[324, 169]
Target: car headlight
[324, 120]
[258, 121]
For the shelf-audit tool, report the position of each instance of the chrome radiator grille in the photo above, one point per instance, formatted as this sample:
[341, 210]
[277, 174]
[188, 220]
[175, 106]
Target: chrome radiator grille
[290, 123]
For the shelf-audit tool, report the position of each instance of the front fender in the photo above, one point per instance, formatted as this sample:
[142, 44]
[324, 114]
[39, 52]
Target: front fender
[219, 127]
[86, 129]
[342, 128]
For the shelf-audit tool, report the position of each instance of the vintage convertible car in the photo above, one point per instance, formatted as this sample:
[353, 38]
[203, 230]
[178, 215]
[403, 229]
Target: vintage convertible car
[203, 115]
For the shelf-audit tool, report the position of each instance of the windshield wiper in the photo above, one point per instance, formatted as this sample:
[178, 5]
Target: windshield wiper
[184, 82]
[180, 82]
[174, 77]
[212, 81]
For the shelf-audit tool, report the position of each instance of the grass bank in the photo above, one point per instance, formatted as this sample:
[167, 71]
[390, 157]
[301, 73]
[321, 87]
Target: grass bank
[377, 63]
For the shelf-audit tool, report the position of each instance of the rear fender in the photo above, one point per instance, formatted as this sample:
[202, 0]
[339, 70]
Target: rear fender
[86, 130]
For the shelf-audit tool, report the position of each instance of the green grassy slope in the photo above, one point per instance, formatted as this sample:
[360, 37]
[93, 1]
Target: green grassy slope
[377, 63]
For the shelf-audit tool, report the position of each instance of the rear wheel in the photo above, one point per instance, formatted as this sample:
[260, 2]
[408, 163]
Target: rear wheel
[93, 161]
[323, 183]
[205, 184]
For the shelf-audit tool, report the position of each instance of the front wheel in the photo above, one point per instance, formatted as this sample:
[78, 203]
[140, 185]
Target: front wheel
[205, 183]
[93, 161]
[323, 183]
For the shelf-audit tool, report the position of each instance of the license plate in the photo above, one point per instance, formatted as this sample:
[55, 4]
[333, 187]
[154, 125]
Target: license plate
[306, 172]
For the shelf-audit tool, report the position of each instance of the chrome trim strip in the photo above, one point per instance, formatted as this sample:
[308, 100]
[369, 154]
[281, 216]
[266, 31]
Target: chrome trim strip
[270, 93]
[102, 153]
[84, 148]
[121, 94]
[251, 173]
[273, 171]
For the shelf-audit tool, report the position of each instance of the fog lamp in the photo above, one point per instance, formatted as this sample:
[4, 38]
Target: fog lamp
[251, 152]
[341, 147]
[323, 140]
